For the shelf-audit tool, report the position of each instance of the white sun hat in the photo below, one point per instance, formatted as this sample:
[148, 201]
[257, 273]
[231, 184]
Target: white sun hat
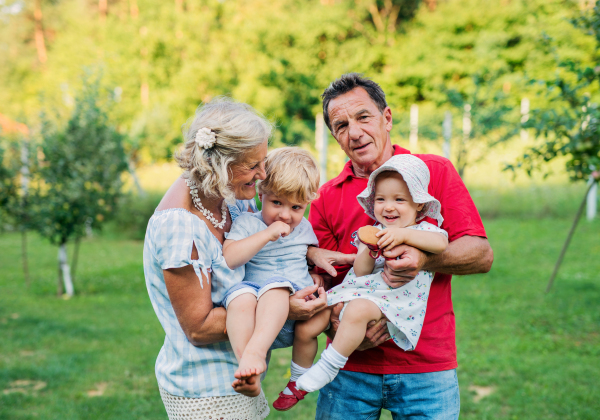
[416, 175]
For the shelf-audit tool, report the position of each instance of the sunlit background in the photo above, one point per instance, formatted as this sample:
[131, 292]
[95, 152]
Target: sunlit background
[506, 89]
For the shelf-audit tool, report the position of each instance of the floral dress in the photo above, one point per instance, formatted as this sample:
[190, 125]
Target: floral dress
[404, 306]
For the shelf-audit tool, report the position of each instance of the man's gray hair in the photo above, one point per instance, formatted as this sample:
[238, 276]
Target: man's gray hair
[345, 84]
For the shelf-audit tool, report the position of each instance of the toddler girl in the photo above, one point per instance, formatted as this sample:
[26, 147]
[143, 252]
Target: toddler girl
[272, 245]
[396, 197]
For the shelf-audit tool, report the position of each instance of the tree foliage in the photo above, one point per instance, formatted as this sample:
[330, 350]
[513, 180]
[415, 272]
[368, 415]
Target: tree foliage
[15, 207]
[569, 126]
[81, 173]
[164, 58]
[8, 187]
[492, 118]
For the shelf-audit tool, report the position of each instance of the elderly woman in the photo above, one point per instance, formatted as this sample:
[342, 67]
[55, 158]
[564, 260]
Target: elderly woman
[186, 274]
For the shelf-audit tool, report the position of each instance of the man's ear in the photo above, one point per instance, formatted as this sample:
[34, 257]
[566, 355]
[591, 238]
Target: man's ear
[387, 115]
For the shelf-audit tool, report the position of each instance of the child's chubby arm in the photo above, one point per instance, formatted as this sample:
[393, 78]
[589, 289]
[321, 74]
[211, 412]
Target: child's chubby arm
[364, 263]
[433, 242]
[238, 253]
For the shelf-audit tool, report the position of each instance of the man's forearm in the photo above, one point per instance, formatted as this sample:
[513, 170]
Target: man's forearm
[466, 255]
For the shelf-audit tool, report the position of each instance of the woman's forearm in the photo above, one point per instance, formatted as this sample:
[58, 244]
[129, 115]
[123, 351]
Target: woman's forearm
[201, 322]
[210, 330]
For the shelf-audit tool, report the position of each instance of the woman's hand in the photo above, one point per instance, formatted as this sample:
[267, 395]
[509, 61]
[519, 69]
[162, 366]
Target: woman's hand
[303, 306]
[326, 259]
[377, 332]
[278, 230]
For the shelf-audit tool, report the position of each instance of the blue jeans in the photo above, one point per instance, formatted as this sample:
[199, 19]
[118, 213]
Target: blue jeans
[355, 395]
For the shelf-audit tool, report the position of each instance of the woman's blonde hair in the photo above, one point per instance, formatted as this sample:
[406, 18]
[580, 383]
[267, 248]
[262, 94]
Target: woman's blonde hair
[291, 173]
[238, 129]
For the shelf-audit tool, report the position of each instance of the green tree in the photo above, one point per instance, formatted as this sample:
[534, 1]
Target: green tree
[8, 186]
[164, 58]
[489, 116]
[17, 166]
[81, 173]
[569, 126]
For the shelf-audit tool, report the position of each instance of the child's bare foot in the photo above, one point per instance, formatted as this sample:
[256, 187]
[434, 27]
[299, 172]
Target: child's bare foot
[249, 387]
[251, 364]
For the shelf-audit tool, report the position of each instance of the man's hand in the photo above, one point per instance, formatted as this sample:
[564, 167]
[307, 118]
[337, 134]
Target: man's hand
[398, 272]
[302, 308]
[377, 332]
[326, 259]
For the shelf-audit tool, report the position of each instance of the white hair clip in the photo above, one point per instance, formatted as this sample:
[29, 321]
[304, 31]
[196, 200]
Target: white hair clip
[205, 137]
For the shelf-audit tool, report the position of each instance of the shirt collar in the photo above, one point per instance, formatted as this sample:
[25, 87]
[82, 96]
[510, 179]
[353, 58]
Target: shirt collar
[348, 172]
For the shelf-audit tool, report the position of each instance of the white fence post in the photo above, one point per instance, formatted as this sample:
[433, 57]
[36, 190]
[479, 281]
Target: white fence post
[24, 167]
[414, 127]
[447, 129]
[467, 123]
[321, 139]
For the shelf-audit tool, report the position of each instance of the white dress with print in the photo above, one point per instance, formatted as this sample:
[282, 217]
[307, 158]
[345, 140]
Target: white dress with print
[404, 306]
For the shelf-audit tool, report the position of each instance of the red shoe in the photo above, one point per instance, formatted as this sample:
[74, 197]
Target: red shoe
[285, 402]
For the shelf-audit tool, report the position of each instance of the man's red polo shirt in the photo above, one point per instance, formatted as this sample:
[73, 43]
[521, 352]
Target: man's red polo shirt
[336, 216]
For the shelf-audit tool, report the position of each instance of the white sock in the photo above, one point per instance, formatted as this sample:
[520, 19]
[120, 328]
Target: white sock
[296, 371]
[323, 372]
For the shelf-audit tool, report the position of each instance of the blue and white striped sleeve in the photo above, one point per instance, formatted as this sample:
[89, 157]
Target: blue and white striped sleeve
[175, 234]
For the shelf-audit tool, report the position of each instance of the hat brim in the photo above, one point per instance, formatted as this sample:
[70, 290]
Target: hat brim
[416, 175]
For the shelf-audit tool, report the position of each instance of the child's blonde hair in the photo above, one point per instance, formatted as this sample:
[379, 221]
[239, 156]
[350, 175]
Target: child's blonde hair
[291, 173]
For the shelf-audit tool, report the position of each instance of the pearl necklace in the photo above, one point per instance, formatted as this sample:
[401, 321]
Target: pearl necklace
[207, 213]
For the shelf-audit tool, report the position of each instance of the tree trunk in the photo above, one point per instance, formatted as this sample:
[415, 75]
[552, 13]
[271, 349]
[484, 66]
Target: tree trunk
[40, 43]
[145, 93]
[103, 8]
[461, 161]
[431, 5]
[65, 269]
[134, 11]
[24, 257]
[24, 215]
[136, 180]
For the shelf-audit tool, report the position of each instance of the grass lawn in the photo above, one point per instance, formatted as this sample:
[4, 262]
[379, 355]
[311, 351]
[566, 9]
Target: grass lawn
[522, 354]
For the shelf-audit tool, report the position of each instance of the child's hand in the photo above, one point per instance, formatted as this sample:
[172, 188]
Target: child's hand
[278, 230]
[317, 279]
[390, 238]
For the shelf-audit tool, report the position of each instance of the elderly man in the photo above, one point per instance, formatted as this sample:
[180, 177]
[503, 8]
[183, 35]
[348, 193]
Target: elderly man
[422, 383]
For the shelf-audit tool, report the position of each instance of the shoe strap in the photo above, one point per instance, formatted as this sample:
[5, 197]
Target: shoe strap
[297, 393]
